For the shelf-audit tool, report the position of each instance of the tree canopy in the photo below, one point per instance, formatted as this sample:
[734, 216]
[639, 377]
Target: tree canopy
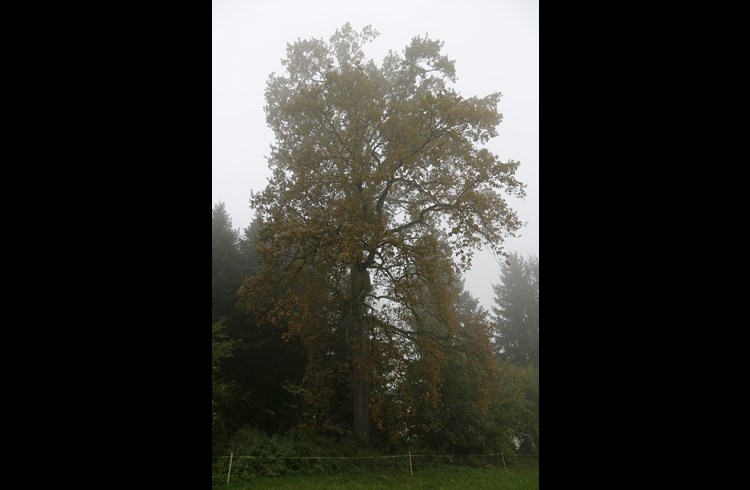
[378, 174]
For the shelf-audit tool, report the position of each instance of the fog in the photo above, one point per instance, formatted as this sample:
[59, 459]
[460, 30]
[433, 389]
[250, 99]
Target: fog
[495, 45]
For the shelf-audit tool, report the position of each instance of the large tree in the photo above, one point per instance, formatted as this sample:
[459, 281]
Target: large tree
[375, 169]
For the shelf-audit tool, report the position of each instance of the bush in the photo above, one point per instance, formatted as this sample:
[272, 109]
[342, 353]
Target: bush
[279, 456]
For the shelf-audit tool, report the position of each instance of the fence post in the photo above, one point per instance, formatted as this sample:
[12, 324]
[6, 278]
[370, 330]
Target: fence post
[503, 456]
[410, 468]
[229, 473]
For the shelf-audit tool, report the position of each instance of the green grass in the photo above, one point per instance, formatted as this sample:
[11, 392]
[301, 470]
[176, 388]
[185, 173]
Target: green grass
[519, 477]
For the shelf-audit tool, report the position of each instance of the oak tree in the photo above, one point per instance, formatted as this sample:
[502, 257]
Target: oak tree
[375, 168]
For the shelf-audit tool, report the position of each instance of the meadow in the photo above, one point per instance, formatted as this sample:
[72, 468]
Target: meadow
[518, 477]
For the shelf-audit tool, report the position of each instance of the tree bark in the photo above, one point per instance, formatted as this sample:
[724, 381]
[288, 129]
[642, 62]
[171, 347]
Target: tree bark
[360, 281]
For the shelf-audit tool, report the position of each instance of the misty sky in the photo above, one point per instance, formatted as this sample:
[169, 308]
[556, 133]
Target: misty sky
[495, 44]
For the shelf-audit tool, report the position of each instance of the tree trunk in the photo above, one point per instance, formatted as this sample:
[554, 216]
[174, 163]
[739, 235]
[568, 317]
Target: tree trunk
[360, 343]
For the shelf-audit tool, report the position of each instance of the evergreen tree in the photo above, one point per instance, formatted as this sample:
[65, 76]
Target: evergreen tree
[516, 311]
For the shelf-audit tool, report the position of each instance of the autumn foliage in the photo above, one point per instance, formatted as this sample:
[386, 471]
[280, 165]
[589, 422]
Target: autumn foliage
[381, 189]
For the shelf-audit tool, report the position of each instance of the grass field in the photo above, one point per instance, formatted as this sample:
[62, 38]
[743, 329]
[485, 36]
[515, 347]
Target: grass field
[525, 477]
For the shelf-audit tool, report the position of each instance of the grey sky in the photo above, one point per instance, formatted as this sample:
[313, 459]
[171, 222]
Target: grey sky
[496, 47]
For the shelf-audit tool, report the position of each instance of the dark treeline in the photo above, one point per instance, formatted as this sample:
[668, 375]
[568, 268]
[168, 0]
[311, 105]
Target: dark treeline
[470, 391]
